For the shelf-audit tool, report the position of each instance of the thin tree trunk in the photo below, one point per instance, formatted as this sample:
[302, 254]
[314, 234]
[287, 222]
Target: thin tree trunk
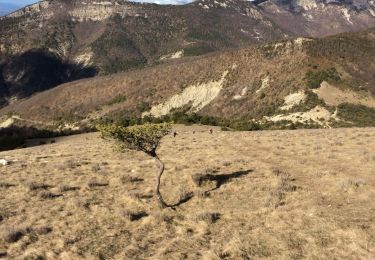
[158, 194]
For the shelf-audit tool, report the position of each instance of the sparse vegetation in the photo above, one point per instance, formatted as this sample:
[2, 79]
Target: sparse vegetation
[143, 107]
[315, 77]
[37, 186]
[116, 65]
[45, 194]
[42, 230]
[352, 183]
[204, 34]
[228, 206]
[285, 185]
[344, 46]
[183, 117]
[130, 179]
[208, 217]
[312, 100]
[153, 84]
[65, 188]
[66, 117]
[70, 164]
[116, 100]
[5, 185]
[13, 234]
[95, 183]
[96, 168]
[355, 115]
[186, 118]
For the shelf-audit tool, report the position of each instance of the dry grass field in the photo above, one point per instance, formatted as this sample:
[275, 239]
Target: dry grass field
[303, 194]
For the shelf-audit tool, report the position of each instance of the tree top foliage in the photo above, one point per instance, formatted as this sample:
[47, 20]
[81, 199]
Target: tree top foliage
[145, 138]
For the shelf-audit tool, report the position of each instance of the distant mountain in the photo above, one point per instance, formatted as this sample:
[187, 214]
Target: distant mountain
[318, 18]
[110, 37]
[105, 37]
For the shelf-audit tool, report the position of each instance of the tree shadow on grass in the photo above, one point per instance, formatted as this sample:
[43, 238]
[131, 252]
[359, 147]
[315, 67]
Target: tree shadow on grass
[219, 180]
[183, 200]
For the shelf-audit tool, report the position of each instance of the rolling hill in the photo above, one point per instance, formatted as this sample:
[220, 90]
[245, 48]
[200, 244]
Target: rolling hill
[285, 81]
[104, 37]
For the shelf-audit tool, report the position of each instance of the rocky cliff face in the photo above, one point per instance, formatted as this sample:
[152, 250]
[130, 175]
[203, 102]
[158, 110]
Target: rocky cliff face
[318, 18]
[59, 24]
[33, 9]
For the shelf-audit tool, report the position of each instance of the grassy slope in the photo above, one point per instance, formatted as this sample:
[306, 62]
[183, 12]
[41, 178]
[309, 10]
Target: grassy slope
[324, 209]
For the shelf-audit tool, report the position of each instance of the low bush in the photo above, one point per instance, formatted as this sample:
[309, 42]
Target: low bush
[45, 194]
[355, 115]
[37, 186]
[116, 100]
[208, 217]
[312, 100]
[315, 78]
[193, 118]
[143, 107]
[14, 234]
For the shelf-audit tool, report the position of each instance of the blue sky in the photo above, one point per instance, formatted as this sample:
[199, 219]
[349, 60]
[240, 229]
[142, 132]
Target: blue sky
[16, 2]
[7, 6]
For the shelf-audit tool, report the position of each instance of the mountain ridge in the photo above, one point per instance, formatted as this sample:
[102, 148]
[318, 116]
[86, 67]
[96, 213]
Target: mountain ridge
[118, 36]
[104, 38]
[254, 82]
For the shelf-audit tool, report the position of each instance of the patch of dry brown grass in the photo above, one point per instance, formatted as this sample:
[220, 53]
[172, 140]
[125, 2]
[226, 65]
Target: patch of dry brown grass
[319, 207]
[284, 186]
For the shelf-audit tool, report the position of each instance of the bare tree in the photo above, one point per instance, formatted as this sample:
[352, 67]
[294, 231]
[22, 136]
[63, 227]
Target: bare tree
[145, 138]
